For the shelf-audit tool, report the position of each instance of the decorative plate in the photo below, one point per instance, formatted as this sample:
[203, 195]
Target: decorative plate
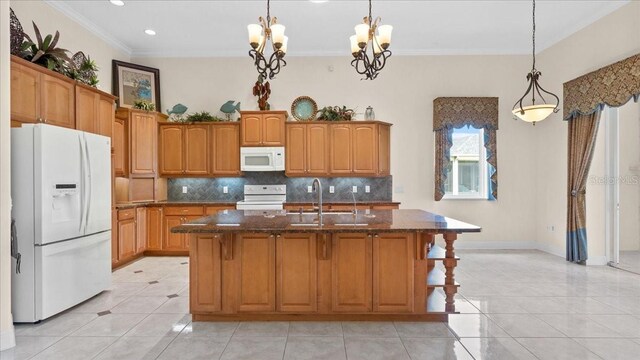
[304, 108]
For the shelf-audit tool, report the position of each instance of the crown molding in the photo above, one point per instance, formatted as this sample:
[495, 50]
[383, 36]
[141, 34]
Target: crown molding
[89, 25]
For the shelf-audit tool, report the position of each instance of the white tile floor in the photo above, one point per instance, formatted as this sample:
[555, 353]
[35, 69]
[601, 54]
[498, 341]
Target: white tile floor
[513, 304]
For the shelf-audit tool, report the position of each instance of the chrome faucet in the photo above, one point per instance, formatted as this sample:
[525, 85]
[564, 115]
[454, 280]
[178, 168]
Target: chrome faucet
[318, 189]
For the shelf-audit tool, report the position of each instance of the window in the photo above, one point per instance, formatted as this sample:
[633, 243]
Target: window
[467, 169]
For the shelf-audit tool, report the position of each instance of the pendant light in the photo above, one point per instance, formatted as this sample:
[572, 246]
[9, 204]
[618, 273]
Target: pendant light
[259, 34]
[366, 38]
[540, 111]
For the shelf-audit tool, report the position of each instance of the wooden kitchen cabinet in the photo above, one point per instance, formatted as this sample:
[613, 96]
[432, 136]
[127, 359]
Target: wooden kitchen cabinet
[126, 234]
[341, 161]
[183, 149]
[154, 228]
[196, 146]
[94, 110]
[393, 269]
[364, 148]
[296, 272]
[384, 149]
[39, 95]
[351, 283]
[225, 147]
[114, 238]
[254, 255]
[171, 154]
[120, 145]
[205, 292]
[143, 130]
[262, 128]
[359, 148]
[175, 216]
[141, 230]
[307, 149]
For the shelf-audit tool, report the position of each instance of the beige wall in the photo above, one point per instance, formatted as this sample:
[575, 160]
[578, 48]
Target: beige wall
[73, 36]
[7, 338]
[403, 95]
[608, 40]
[629, 122]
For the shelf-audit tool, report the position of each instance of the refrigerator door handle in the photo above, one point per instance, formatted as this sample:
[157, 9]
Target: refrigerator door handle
[82, 183]
[89, 186]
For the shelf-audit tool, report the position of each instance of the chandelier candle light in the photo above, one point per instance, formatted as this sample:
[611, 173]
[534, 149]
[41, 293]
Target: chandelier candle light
[365, 39]
[535, 112]
[258, 36]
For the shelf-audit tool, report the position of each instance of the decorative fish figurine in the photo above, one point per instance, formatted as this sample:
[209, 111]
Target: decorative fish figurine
[178, 109]
[229, 108]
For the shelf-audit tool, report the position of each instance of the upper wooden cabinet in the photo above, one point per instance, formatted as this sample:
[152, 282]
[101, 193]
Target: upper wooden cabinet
[263, 128]
[199, 150]
[142, 137]
[307, 149]
[120, 145]
[341, 149]
[95, 111]
[41, 95]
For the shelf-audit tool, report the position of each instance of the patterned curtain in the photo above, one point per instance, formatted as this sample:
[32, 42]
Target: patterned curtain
[456, 112]
[583, 130]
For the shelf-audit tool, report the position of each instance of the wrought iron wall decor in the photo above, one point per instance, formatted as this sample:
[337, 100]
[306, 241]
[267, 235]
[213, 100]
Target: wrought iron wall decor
[366, 38]
[259, 34]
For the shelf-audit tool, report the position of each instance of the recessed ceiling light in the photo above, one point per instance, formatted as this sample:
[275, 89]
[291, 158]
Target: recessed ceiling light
[117, 2]
[149, 32]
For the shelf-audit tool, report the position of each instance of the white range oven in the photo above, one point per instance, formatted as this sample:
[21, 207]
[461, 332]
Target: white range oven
[263, 197]
[262, 158]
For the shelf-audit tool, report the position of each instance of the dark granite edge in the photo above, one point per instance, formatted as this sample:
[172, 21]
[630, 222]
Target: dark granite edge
[129, 205]
[331, 229]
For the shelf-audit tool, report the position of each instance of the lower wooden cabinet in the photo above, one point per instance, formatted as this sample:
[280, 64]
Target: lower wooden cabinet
[296, 273]
[141, 230]
[351, 282]
[126, 238]
[206, 272]
[154, 228]
[255, 272]
[393, 256]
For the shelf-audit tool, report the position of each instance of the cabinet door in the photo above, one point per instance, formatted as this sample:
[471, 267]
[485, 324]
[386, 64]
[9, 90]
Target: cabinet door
[384, 149]
[317, 147]
[87, 110]
[196, 149]
[106, 114]
[297, 272]
[126, 238]
[351, 272]
[114, 238]
[171, 150]
[273, 129]
[206, 274]
[154, 228]
[58, 101]
[296, 162]
[226, 149]
[25, 93]
[256, 273]
[143, 143]
[186, 238]
[141, 229]
[365, 152]
[393, 256]
[171, 241]
[341, 149]
[120, 147]
[251, 130]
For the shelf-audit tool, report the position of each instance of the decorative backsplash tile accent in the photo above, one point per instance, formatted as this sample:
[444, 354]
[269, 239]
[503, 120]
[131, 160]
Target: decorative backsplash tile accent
[211, 189]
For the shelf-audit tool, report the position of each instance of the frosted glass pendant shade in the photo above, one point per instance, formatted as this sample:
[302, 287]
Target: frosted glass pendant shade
[354, 44]
[362, 34]
[277, 33]
[384, 35]
[285, 42]
[255, 33]
[534, 113]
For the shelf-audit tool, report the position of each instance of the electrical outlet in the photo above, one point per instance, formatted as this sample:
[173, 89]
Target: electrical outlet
[184, 189]
[225, 189]
[354, 189]
[551, 228]
[309, 189]
[367, 189]
[332, 189]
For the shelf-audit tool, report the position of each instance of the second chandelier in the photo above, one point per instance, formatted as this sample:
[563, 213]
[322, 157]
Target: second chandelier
[370, 50]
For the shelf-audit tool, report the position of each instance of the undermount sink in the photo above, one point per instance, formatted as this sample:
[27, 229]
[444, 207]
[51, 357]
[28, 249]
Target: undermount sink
[352, 224]
[304, 224]
[323, 213]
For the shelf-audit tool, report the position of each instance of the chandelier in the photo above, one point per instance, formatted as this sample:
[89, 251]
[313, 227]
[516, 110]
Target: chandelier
[535, 112]
[259, 34]
[370, 64]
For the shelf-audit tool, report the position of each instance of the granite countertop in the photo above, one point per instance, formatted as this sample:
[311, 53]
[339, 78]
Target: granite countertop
[371, 221]
[132, 204]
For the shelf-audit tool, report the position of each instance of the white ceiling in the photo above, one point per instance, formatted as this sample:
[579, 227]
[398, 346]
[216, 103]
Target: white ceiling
[218, 28]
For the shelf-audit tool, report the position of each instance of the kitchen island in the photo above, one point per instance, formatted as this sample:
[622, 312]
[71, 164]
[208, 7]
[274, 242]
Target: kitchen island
[373, 265]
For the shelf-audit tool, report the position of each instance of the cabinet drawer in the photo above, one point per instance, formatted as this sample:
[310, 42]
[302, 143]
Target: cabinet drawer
[184, 210]
[126, 214]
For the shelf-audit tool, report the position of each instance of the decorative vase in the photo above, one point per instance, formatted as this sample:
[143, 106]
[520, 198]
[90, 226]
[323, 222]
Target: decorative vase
[369, 114]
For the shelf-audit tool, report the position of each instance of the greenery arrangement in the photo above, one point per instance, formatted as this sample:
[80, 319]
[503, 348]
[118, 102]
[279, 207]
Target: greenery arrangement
[203, 116]
[335, 113]
[144, 105]
[44, 51]
[84, 71]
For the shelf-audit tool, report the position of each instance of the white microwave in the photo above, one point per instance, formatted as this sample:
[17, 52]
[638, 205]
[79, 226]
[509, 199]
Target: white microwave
[262, 158]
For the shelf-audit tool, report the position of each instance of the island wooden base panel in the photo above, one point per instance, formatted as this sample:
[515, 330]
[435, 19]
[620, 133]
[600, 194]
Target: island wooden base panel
[321, 317]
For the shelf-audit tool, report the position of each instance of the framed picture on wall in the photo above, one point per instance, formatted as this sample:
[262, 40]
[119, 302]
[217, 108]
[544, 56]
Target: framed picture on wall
[133, 82]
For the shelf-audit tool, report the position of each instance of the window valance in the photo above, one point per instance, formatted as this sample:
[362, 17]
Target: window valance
[612, 85]
[456, 112]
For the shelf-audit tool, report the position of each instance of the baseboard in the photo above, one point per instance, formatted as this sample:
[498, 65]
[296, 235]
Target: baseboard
[553, 250]
[597, 261]
[495, 245]
[7, 338]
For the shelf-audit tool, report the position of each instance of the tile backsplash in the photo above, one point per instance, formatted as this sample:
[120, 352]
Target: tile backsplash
[211, 189]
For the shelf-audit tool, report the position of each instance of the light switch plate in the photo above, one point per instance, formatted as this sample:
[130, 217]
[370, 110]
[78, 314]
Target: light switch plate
[367, 189]
[184, 189]
[354, 189]
[225, 189]
[309, 189]
[332, 189]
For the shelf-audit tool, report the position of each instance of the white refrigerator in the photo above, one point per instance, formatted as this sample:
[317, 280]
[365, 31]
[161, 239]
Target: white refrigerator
[61, 194]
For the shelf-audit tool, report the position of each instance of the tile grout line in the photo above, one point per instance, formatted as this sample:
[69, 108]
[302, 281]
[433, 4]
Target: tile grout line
[228, 341]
